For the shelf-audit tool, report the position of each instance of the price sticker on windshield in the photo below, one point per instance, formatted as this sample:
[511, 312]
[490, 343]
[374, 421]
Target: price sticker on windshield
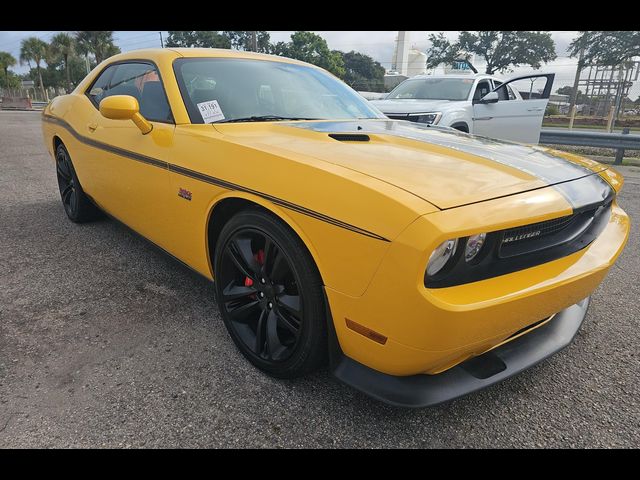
[210, 111]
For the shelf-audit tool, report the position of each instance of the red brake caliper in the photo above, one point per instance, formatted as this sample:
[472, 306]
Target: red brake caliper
[259, 257]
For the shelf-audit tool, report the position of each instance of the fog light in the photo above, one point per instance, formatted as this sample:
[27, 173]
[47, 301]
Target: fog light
[441, 256]
[474, 245]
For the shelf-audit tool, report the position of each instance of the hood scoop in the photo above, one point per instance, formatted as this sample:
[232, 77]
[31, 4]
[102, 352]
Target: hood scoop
[350, 137]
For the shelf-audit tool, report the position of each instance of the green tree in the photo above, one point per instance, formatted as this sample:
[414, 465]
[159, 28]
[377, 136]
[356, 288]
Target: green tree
[98, 43]
[63, 46]
[551, 110]
[34, 49]
[311, 48]
[611, 48]
[362, 72]
[501, 50]
[568, 90]
[52, 74]
[13, 80]
[6, 60]
[608, 48]
[241, 40]
[200, 39]
[77, 69]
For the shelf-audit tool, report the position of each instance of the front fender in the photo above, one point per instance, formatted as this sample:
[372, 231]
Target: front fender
[457, 116]
[346, 260]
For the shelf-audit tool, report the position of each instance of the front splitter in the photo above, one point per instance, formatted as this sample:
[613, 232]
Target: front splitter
[471, 375]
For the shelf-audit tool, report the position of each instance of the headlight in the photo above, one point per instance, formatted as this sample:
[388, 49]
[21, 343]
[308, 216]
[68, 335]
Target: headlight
[430, 118]
[441, 256]
[474, 245]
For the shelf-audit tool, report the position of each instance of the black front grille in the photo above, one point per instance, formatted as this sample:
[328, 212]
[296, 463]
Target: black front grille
[411, 118]
[543, 235]
[538, 230]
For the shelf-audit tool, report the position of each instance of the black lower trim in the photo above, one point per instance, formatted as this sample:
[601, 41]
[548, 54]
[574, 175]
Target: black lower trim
[208, 179]
[471, 375]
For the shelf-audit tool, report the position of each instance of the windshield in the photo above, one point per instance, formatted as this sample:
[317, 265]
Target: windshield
[230, 89]
[433, 89]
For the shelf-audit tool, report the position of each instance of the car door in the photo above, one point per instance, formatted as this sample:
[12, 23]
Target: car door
[128, 168]
[516, 110]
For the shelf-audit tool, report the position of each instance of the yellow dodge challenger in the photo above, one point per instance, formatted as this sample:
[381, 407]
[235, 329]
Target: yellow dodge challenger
[419, 262]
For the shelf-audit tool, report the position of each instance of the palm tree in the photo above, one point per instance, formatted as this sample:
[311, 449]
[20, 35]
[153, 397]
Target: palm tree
[64, 45]
[100, 43]
[33, 48]
[6, 61]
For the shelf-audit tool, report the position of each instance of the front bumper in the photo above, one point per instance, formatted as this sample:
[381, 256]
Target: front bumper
[471, 375]
[428, 330]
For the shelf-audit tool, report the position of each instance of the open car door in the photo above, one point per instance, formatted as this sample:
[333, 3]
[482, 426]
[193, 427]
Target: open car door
[514, 110]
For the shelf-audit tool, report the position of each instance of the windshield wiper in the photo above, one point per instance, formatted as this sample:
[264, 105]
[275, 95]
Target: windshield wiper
[263, 118]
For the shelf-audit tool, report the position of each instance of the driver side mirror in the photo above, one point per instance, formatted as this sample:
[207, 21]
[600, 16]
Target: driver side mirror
[124, 107]
[491, 97]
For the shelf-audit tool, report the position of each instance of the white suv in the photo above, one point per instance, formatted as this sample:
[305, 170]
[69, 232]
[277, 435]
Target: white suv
[480, 104]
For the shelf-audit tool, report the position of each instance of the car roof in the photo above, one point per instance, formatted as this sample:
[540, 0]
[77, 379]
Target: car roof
[454, 75]
[157, 54]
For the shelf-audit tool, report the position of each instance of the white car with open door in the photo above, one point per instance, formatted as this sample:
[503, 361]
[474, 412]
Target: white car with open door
[480, 104]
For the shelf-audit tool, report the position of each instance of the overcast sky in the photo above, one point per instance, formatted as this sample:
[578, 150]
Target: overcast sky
[378, 44]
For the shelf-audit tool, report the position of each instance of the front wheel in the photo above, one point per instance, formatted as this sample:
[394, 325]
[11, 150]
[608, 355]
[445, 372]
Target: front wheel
[270, 295]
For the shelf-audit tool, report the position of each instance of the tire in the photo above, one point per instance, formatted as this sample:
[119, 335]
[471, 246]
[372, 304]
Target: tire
[270, 295]
[76, 204]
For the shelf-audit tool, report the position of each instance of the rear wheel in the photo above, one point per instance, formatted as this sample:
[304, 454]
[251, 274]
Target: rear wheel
[270, 295]
[76, 204]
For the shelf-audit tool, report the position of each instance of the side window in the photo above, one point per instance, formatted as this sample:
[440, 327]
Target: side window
[98, 90]
[139, 80]
[531, 88]
[482, 89]
[504, 93]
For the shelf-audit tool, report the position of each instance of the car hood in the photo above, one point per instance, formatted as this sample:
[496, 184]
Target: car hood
[445, 167]
[412, 105]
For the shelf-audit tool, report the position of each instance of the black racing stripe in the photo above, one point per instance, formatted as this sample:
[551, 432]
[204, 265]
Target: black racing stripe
[209, 179]
[278, 201]
[586, 191]
[104, 146]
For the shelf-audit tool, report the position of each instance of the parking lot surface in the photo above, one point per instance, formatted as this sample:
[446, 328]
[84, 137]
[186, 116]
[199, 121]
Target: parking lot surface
[107, 342]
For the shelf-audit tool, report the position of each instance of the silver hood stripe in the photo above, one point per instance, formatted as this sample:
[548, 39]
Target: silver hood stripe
[553, 170]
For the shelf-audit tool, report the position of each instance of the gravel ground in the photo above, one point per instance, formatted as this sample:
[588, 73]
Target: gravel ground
[107, 342]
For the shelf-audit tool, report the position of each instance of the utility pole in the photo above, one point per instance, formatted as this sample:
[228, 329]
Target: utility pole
[254, 41]
[161, 41]
[619, 95]
[576, 81]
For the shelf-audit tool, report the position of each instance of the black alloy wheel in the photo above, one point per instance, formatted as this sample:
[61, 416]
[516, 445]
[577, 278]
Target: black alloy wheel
[76, 204]
[66, 182]
[270, 295]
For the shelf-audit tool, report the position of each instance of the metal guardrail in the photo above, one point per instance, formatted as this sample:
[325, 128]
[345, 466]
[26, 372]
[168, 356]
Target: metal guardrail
[618, 141]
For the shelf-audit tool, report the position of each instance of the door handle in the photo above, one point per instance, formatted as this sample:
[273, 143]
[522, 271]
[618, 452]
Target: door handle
[92, 126]
[534, 110]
